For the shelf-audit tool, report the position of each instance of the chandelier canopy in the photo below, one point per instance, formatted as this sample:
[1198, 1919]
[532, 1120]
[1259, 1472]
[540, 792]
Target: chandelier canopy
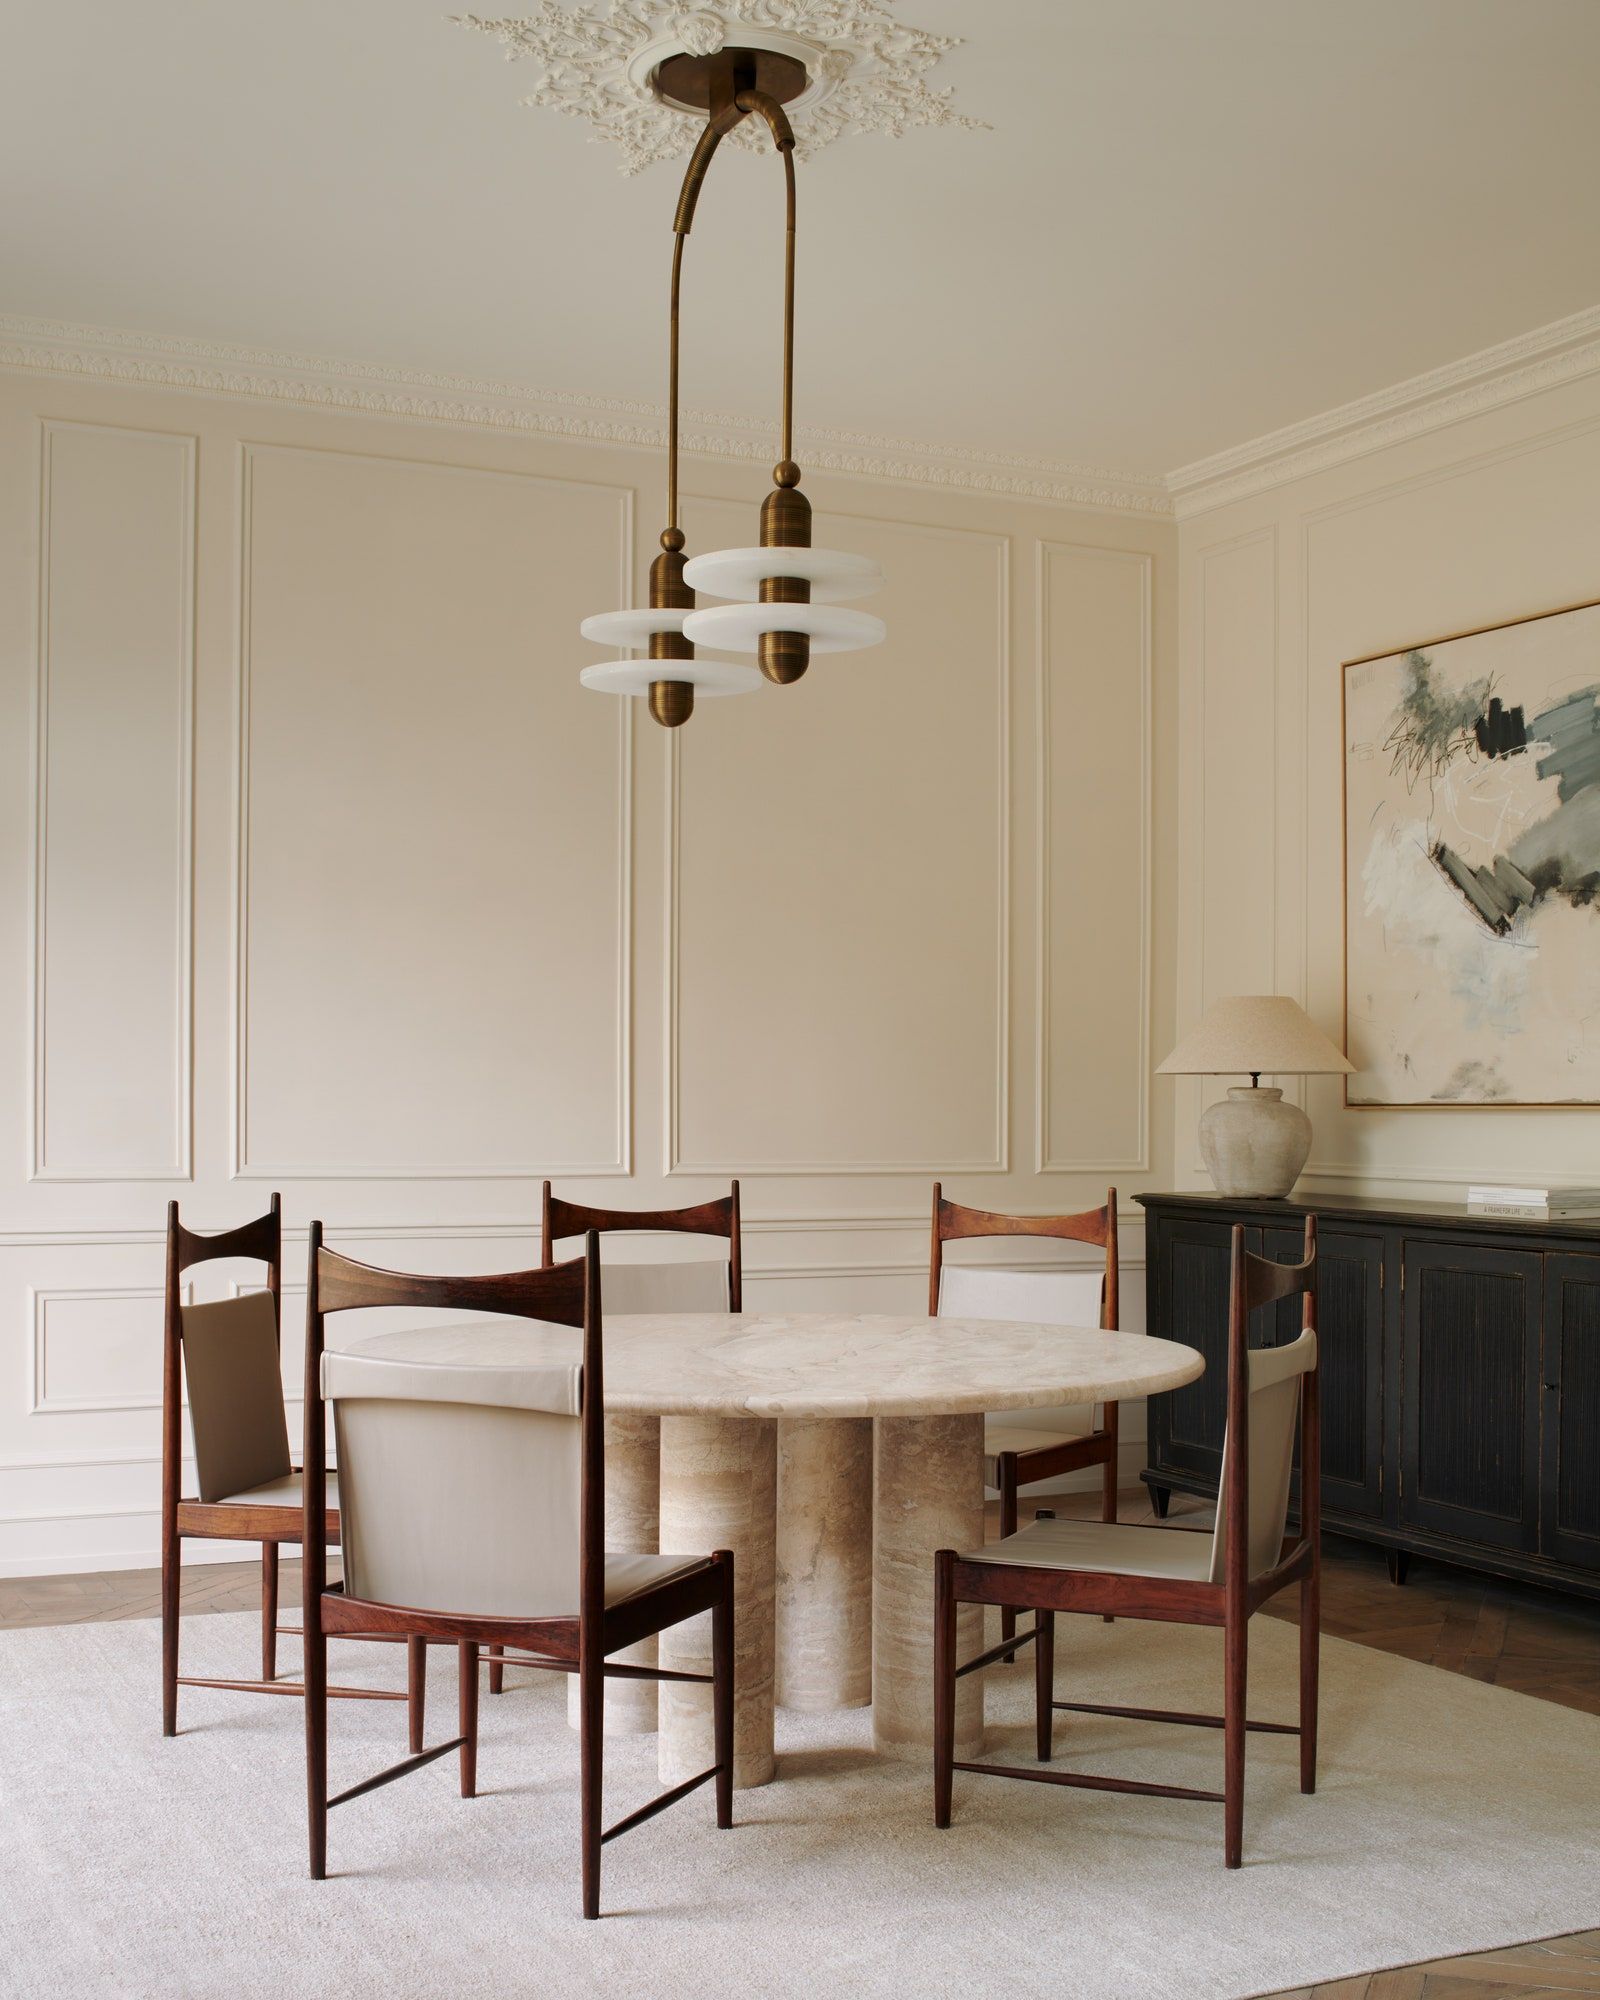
[786, 596]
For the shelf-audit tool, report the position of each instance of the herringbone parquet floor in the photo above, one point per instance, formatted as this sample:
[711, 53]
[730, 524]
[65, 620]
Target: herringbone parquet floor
[1533, 1641]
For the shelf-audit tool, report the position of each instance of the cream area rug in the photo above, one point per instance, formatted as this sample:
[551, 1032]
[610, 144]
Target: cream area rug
[1451, 1817]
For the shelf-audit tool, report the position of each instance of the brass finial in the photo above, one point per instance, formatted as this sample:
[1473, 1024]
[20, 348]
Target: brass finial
[672, 702]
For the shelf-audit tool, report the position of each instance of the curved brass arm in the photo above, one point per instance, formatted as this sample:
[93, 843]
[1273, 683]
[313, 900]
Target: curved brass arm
[724, 118]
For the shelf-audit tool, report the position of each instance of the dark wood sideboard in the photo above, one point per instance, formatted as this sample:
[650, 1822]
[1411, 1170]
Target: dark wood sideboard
[1460, 1373]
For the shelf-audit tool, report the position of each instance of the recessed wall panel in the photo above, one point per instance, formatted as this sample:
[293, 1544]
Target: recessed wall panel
[1238, 669]
[111, 935]
[1094, 884]
[433, 874]
[838, 884]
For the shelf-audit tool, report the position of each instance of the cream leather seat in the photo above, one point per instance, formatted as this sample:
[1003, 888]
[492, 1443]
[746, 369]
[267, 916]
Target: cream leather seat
[286, 1492]
[1110, 1548]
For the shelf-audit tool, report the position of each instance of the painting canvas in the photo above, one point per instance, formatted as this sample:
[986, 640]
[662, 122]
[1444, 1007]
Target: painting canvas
[1472, 867]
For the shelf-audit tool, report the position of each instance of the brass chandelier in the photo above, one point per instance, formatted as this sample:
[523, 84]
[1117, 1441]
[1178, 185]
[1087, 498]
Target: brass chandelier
[786, 597]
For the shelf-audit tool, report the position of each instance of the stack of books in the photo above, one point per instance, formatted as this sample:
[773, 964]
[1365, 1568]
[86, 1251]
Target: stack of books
[1535, 1204]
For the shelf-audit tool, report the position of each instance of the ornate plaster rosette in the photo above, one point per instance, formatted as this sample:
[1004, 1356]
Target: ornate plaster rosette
[594, 61]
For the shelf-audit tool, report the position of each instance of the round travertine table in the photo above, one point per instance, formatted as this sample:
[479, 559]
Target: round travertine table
[833, 1453]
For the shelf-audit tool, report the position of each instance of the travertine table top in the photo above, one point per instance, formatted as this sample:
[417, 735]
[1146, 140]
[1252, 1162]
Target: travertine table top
[823, 1364]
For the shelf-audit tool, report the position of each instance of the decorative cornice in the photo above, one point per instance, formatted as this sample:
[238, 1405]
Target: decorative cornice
[53, 347]
[1541, 359]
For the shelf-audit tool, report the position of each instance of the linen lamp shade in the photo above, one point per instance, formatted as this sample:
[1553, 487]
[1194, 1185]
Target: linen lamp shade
[1256, 1034]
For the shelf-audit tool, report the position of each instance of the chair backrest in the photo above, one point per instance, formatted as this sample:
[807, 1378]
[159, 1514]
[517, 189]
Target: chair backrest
[701, 1285]
[1267, 1388]
[693, 1292]
[471, 1481]
[1058, 1298]
[228, 1352]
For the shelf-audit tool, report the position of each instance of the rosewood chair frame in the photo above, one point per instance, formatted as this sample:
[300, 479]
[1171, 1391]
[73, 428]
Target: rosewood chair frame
[203, 1520]
[559, 1217]
[1255, 1282]
[1016, 1469]
[569, 1295]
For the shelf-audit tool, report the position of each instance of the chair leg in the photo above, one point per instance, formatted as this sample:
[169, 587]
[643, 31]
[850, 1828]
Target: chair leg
[1008, 1526]
[315, 1676]
[944, 1683]
[1108, 1490]
[171, 1580]
[1310, 1636]
[1233, 1723]
[722, 1689]
[591, 1729]
[468, 1667]
[497, 1671]
[269, 1611]
[417, 1689]
[1044, 1681]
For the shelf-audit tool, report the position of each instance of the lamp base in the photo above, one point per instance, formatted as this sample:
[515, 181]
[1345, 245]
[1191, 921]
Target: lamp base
[1253, 1143]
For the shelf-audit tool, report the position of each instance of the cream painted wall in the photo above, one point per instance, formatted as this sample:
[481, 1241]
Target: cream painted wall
[323, 874]
[1491, 518]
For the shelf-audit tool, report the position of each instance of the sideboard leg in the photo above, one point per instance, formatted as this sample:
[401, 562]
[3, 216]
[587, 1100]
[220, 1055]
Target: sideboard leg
[1399, 1563]
[1161, 1499]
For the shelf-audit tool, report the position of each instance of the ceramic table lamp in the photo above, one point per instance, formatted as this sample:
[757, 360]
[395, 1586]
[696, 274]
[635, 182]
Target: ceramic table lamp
[1252, 1142]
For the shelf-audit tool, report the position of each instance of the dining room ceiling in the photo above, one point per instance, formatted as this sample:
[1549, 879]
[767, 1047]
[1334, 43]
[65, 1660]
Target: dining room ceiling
[1188, 222]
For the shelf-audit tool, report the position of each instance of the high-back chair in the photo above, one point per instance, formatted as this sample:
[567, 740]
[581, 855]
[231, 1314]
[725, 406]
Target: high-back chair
[474, 1511]
[701, 1284]
[227, 1354]
[698, 1285]
[1218, 1577]
[1049, 1443]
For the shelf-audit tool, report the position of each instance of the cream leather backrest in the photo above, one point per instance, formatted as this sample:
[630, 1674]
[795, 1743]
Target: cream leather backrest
[1274, 1389]
[459, 1486]
[1048, 1297]
[701, 1285]
[236, 1414]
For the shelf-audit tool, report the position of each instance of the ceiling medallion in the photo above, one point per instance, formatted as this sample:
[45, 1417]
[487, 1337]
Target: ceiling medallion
[614, 64]
[787, 596]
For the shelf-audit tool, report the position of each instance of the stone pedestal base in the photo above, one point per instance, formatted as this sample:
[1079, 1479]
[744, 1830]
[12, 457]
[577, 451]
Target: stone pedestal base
[928, 1495]
[824, 1611]
[719, 1479]
[633, 1513]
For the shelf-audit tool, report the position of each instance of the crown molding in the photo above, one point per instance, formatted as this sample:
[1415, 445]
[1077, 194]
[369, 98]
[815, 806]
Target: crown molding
[1488, 380]
[105, 354]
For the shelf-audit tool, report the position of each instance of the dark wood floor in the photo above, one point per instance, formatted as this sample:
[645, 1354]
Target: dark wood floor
[1512, 1635]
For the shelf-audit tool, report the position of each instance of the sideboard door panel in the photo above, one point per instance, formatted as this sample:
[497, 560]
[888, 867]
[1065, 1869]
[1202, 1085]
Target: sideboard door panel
[1194, 1259]
[1350, 1338]
[1471, 1392]
[1570, 1526]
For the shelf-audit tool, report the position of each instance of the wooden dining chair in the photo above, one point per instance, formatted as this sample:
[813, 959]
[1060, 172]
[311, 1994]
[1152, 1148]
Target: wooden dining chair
[703, 1285]
[1181, 1576]
[699, 1288]
[227, 1355]
[1050, 1443]
[474, 1512]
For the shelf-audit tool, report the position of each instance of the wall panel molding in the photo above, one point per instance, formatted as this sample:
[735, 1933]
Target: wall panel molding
[39, 1300]
[243, 1166]
[675, 1165]
[179, 1164]
[1046, 1157]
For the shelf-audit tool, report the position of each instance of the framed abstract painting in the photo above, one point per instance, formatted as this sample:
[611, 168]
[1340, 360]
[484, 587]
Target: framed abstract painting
[1472, 867]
